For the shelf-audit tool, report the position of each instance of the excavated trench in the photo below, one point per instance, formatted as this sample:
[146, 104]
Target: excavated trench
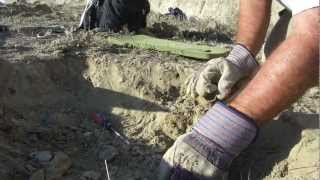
[46, 106]
[51, 85]
[49, 102]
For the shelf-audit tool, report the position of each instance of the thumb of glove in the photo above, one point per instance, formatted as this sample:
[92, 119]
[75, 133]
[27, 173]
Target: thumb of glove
[207, 85]
[231, 75]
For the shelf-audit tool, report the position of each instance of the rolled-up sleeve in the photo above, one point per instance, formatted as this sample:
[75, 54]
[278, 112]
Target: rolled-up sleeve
[297, 6]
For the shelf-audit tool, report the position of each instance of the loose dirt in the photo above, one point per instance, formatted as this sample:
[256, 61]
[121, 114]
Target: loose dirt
[52, 79]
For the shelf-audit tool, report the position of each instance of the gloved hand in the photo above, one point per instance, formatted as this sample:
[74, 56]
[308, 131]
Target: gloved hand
[219, 76]
[207, 152]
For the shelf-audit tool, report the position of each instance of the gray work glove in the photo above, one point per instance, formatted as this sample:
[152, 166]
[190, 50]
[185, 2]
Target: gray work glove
[207, 152]
[219, 76]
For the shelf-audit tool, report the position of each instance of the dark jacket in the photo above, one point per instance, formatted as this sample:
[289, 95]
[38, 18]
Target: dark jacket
[113, 14]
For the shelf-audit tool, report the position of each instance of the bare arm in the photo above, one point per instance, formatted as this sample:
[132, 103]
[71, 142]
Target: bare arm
[253, 23]
[287, 73]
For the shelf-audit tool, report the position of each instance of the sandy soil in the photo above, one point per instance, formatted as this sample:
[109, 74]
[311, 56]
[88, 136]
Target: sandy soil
[51, 80]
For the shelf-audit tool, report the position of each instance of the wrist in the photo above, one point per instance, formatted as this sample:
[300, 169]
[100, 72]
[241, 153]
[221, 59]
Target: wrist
[227, 127]
[209, 149]
[241, 57]
[245, 109]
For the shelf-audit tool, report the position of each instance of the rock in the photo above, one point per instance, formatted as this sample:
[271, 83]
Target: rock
[90, 175]
[59, 166]
[38, 175]
[42, 157]
[87, 134]
[108, 153]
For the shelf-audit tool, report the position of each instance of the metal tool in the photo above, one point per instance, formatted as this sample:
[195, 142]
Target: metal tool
[101, 118]
[89, 4]
[107, 169]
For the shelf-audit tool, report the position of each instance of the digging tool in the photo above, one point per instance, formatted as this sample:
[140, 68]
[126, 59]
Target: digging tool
[101, 118]
[89, 4]
[107, 169]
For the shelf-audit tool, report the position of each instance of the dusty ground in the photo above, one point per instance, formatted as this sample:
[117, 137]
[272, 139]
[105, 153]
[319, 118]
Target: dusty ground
[51, 80]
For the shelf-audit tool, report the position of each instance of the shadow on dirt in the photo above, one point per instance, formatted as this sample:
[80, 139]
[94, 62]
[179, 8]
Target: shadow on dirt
[303, 120]
[39, 82]
[60, 89]
[207, 35]
[166, 30]
[273, 145]
[163, 30]
[3, 36]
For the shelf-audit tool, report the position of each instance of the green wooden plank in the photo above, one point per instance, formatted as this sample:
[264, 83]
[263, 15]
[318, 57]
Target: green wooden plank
[191, 50]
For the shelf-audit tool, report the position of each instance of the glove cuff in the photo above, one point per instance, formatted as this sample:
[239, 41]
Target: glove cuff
[228, 128]
[209, 149]
[242, 58]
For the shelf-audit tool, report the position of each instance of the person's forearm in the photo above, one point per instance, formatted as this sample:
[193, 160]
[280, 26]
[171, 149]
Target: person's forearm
[286, 75]
[253, 23]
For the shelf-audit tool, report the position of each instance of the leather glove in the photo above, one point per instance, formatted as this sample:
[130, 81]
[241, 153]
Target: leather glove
[207, 152]
[219, 76]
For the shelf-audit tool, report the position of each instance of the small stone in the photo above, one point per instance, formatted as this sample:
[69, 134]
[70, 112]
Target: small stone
[42, 157]
[87, 134]
[108, 153]
[38, 175]
[59, 166]
[90, 175]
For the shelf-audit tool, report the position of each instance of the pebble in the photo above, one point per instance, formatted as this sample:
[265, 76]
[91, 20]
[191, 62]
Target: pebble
[87, 134]
[108, 153]
[90, 175]
[42, 157]
[59, 166]
[55, 169]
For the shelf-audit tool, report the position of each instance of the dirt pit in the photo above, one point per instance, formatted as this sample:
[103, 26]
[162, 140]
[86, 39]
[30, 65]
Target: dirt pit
[51, 80]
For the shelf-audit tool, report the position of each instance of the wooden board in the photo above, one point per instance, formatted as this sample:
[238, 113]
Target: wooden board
[202, 52]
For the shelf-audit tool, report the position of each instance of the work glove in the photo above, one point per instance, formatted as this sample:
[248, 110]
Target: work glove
[208, 150]
[218, 77]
